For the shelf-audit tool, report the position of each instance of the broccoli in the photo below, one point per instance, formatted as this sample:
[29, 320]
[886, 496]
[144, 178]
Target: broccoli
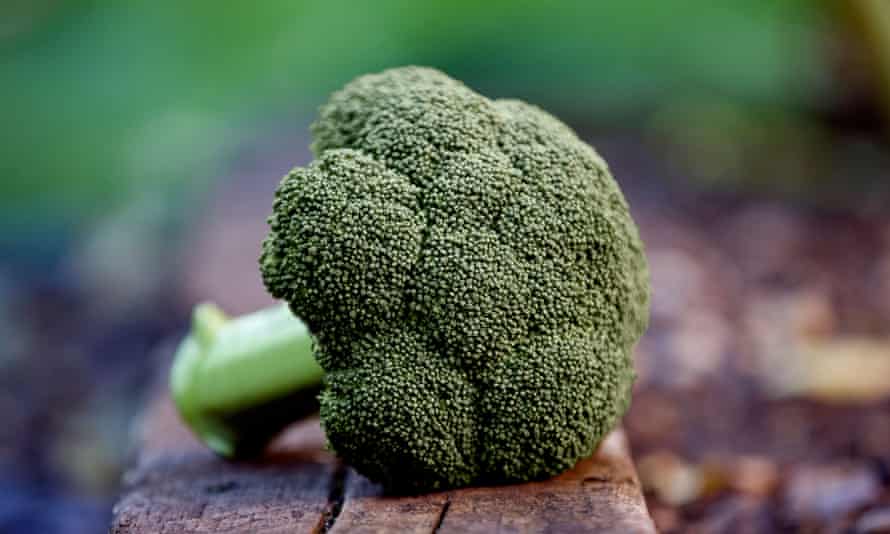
[473, 279]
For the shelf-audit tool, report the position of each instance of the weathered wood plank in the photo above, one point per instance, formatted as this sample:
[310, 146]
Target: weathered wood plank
[601, 494]
[177, 485]
[180, 486]
[366, 510]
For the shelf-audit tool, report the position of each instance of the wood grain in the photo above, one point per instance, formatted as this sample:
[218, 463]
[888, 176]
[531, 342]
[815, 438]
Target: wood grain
[176, 485]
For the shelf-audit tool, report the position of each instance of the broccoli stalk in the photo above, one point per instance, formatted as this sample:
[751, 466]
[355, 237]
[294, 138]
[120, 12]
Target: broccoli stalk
[238, 382]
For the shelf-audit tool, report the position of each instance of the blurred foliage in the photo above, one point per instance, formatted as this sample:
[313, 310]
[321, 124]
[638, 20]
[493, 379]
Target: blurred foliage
[718, 145]
[105, 102]
[873, 19]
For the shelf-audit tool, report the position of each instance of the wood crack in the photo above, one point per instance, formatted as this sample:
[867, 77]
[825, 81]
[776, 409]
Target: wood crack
[335, 499]
[442, 513]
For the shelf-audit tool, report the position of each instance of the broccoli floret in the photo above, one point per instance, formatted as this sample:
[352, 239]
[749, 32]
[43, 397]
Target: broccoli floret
[472, 276]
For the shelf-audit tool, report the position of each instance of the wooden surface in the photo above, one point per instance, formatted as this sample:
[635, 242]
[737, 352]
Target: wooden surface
[176, 485]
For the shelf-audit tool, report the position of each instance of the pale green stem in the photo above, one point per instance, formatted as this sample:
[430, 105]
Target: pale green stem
[237, 382]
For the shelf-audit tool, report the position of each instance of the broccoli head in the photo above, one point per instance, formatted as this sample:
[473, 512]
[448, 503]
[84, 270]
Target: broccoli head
[472, 276]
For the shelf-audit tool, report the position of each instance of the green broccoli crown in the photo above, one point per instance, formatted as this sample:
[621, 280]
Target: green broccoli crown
[473, 278]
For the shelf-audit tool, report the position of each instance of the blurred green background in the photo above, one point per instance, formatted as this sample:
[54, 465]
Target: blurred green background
[122, 121]
[108, 102]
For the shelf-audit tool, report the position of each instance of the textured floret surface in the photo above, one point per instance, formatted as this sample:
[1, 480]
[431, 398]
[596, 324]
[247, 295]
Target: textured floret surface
[472, 276]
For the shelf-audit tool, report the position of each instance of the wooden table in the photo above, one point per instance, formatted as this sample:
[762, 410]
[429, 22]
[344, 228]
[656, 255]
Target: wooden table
[177, 485]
